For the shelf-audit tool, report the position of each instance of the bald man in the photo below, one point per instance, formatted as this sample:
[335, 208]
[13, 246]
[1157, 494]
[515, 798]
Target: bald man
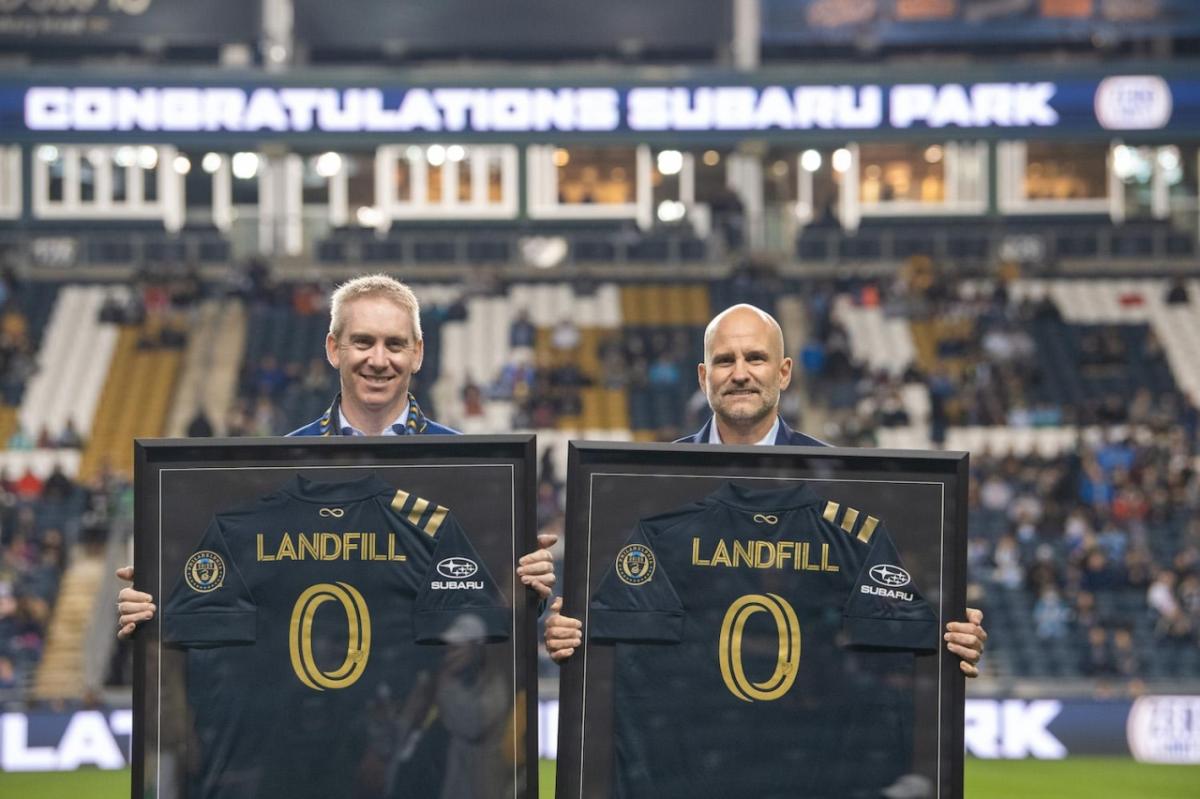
[743, 373]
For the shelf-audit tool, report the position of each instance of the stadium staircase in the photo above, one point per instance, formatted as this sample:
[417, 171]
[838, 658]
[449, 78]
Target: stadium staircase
[8, 423]
[77, 345]
[211, 365]
[134, 403]
[60, 673]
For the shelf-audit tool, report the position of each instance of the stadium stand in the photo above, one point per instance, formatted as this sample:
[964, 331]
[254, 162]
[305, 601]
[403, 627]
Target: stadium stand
[1067, 532]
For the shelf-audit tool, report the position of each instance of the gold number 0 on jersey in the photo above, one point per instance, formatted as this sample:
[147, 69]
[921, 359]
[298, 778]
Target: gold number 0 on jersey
[358, 646]
[730, 654]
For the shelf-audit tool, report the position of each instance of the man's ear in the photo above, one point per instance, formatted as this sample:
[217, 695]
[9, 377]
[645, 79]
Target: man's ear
[420, 359]
[331, 350]
[701, 372]
[785, 374]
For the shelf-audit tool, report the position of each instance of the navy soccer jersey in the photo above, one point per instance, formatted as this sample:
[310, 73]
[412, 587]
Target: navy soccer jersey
[304, 615]
[764, 648]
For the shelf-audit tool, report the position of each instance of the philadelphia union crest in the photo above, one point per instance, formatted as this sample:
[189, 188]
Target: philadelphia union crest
[635, 564]
[205, 571]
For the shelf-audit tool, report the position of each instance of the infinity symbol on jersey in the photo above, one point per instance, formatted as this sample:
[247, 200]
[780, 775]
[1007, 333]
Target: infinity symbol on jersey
[335, 512]
[769, 519]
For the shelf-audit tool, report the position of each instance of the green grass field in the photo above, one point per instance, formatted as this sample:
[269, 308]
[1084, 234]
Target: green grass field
[1077, 778]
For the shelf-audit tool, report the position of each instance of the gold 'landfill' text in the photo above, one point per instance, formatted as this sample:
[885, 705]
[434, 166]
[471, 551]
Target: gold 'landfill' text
[331, 546]
[758, 554]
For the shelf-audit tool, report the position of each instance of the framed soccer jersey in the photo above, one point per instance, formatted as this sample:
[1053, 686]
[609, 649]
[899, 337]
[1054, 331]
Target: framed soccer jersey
[762, 622]
[336, 618]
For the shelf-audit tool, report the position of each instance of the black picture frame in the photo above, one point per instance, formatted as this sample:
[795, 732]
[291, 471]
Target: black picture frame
[610, 486]
[488, 482]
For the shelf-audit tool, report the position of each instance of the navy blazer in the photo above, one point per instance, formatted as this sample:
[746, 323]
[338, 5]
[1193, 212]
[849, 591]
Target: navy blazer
[786, 435]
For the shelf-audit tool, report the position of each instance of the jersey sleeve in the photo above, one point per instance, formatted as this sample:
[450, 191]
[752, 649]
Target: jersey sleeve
[459, 600]
[211, 604]
[885, 608]
[635, 600]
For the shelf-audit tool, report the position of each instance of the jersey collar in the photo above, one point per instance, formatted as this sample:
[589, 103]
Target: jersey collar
[306, 490]
[762, 499]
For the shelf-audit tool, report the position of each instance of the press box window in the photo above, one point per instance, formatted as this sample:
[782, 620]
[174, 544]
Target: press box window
[1054, 177]
[431, 181]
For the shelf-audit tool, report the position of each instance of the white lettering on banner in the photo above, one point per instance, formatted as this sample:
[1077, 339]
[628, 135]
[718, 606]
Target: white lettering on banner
[223, 108]
[93, 109]
[48, 108]
[301, 106]
[982, 105]
[87, 740]
[747, 108]
[418, 111]
[454, 104]
[515, 110]
[90, 108]
[15, 752]
[182, 109]
[265, 111]
[599, 109]
[1012, 729]
[136, 109]
[338, 116]
[648, 109]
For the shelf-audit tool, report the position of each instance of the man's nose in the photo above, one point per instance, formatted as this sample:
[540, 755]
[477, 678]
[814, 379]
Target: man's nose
[740, 372]
[377, 357]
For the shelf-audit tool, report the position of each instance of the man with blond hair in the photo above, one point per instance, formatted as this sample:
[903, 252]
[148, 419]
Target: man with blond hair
[375, 343]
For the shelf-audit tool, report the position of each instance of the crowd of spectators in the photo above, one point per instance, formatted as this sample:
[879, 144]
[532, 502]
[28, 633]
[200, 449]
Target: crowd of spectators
[1105, 541]
[987, 368]
[161, 303]
[42, 522]
[1102, 543]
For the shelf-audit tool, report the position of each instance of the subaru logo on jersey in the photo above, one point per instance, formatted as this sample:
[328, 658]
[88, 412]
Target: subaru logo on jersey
[457, 568]
[889, 575]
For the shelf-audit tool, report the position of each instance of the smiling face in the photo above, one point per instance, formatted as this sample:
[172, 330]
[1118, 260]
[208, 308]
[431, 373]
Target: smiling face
[744, 372]
[376, 355]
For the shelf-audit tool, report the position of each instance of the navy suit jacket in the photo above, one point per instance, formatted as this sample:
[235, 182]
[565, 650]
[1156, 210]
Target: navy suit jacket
[786, 435]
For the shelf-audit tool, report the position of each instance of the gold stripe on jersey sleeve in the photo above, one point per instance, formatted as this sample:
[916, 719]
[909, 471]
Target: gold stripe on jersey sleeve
[831, 511]
[418, 510]
[849, 519]
[435, 521]
[400, 501]
[868, 529]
